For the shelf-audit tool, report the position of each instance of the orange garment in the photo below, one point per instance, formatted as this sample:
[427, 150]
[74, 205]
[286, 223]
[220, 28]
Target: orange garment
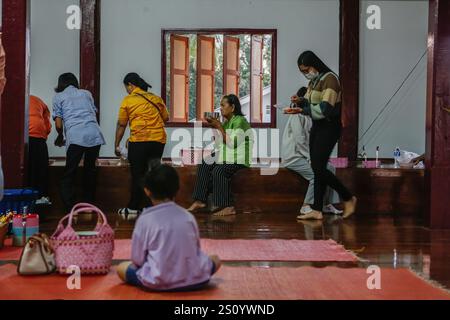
[2, 67]
[40, 126]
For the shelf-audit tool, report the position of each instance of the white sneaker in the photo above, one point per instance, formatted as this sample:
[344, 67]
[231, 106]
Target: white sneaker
[128, 214]
[332, 209]
[306, 210]
[44, 201]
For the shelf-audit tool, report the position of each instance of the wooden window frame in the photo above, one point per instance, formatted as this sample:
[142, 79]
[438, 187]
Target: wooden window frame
[201, 72]
[261, 112]
[184, 73]
[225, 32]
[228, 72]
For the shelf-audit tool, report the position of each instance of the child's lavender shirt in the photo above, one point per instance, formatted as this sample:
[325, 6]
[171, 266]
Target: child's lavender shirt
[166, 249]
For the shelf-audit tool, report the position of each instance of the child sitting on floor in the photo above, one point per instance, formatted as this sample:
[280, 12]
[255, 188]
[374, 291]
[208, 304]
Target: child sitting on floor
[166, 254]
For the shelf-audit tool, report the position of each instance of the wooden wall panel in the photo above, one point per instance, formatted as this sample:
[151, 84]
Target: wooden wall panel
[438, 117]
[90, 48]
[14, 111]
[349, 75]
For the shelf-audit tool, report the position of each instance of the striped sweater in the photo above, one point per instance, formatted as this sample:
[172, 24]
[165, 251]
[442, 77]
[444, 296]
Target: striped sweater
[324, 97]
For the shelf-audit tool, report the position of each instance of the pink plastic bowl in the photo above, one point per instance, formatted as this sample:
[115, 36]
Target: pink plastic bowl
[371, 164]
[339, 162]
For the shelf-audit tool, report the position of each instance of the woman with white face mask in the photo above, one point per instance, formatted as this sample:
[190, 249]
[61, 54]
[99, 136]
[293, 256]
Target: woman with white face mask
[296, 157]
[323, 104]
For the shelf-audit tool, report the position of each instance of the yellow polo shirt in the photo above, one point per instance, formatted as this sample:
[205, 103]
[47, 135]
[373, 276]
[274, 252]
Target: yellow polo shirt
[146, 123]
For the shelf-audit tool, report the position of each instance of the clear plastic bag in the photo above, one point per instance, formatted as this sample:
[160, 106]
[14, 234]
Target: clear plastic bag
[406, 158]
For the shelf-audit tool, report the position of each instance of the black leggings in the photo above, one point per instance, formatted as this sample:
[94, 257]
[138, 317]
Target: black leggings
[324, 136]
[140, 154]
[74, 155]
[38, 166]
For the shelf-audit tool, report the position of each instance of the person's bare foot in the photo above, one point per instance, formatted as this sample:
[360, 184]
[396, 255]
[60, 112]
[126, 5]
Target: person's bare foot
[122, 270]
[217, 262]
[349, 208]
[230, 211]
[197, 205]
[314, 215]
[227, 219]
[306, 208]
[314, 224]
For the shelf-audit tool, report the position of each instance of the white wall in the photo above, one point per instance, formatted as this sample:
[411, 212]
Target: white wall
[54, 50]
[387, 56]
[131, 40]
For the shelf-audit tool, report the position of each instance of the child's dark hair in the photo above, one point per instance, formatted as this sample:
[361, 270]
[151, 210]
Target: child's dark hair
[302, 92]
[163, 182]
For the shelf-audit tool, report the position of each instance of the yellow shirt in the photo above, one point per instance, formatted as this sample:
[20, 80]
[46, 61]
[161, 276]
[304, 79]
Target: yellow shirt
[146, 123]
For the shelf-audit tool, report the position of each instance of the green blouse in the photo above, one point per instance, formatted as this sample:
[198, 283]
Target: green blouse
[240, 131]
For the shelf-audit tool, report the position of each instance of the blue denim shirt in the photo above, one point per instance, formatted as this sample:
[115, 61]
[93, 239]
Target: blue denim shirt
[77, 110]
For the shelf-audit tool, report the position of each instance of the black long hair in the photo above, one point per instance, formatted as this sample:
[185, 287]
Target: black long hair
[136, 80]
[66, 80]
[310, 59]
[234, 101]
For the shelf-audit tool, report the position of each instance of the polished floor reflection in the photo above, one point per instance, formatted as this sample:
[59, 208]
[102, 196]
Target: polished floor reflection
[379, 240]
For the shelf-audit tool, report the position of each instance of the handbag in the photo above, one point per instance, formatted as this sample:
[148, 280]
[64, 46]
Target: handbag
[91, 252]
[37, 257]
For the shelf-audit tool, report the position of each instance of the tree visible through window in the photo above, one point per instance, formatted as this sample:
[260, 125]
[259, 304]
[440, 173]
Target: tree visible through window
[218, 64]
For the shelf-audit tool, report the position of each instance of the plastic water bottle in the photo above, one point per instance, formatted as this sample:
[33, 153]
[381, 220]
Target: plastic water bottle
[397, 155]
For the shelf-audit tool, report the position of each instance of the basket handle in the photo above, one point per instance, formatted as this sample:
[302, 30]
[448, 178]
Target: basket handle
[60, 226]
[76, 207]
[82, 207]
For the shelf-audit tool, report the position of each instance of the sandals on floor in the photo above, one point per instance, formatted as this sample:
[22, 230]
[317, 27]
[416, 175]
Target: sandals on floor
[128, 214]
[200, 210]
[219, 212]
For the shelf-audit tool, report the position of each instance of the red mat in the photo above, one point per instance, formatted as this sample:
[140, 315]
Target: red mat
[10, 253]
[244, 250]
[231, 283]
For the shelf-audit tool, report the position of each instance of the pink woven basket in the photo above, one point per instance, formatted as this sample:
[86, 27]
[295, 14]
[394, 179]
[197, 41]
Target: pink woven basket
[91, 252]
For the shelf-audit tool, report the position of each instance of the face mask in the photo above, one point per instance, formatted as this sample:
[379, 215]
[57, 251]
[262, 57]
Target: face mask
[311, 76]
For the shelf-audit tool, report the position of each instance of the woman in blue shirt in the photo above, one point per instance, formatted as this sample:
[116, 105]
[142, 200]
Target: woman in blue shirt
[76, 122]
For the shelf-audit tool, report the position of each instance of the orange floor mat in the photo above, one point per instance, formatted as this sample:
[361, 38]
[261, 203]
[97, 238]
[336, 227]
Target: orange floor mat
[233, 283]
[243, 250]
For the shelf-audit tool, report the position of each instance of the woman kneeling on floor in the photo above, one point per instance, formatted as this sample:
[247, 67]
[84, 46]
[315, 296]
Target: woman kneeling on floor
[166, 254]
[234, 139]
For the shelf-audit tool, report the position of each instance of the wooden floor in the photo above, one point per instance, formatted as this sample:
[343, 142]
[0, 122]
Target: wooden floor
[380, 240]
[388, 230]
